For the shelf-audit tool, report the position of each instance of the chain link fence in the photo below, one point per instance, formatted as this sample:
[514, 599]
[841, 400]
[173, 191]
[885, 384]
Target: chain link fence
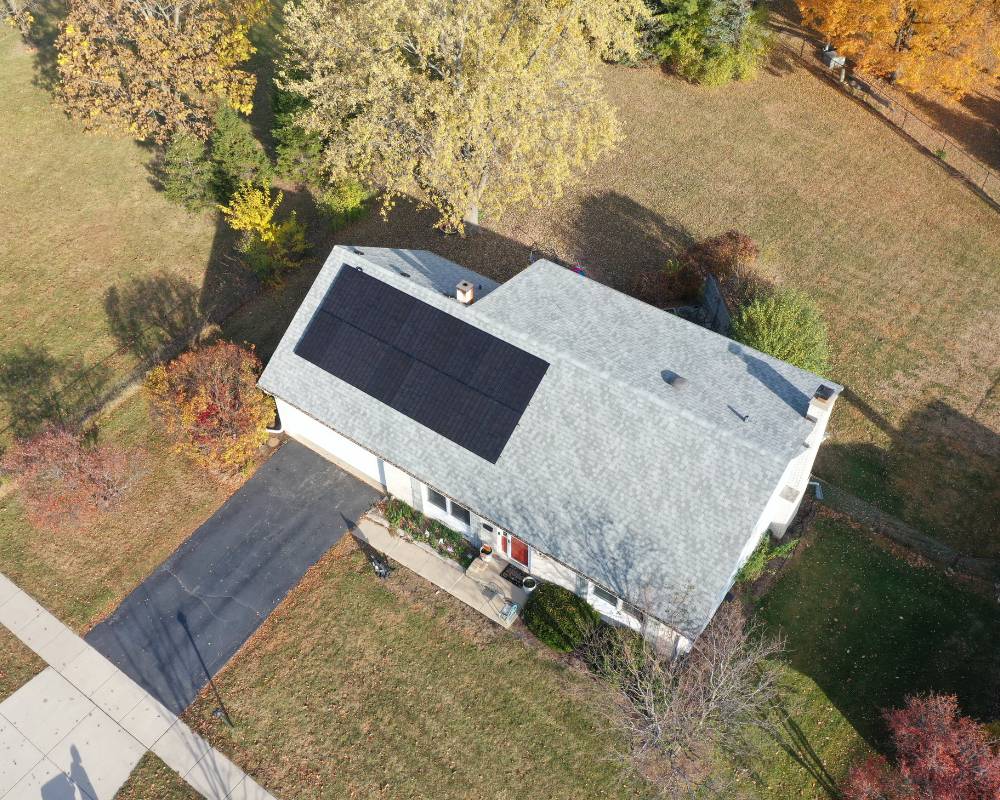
[872, 92]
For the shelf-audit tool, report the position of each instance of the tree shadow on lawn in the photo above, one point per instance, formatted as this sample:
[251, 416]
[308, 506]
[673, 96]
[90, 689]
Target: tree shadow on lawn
[38, 388]
[973, 122]
[871, 629]
[939, 471]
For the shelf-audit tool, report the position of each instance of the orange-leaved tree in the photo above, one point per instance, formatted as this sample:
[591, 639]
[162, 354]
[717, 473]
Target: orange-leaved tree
[64, 481]
[154, 69]
[941, 47]
[208, 400]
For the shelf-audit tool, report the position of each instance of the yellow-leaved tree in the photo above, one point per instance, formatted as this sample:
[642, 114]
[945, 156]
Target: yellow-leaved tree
[935, 46]
[155, 68]
[470, 105]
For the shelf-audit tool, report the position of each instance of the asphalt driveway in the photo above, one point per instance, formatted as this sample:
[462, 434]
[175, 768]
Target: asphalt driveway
[188, 618]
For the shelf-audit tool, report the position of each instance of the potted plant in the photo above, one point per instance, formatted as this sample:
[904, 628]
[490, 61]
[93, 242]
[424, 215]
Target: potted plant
[486, 552]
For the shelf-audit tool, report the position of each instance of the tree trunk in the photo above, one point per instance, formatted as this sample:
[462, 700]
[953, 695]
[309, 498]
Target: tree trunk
[471, 215]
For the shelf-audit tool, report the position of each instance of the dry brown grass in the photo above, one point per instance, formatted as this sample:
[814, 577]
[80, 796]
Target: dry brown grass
[18, 664]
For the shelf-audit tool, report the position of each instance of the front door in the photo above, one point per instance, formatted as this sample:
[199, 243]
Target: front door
[513, 548]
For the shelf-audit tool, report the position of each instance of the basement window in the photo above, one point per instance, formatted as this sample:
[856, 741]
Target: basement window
[437, 500]
[603, 594]
[447, 511]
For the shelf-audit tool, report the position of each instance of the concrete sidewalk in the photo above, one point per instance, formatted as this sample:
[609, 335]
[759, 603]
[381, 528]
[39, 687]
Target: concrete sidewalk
[80, 727]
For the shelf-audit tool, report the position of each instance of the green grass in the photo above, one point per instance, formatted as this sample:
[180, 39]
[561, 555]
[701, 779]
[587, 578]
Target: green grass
[358, 688]
[154, 780]
[81, 575]
[869, 628]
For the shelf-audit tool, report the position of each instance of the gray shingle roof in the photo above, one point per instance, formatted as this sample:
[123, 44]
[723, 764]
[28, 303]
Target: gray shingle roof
[649, 488]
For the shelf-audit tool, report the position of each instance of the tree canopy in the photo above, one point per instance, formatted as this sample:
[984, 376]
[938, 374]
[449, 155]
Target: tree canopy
[153, 69]
[469, 105]
[936, 46]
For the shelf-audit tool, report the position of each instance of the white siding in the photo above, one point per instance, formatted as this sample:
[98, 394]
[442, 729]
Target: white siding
[549, 570]
[398, 483]
[330, 443]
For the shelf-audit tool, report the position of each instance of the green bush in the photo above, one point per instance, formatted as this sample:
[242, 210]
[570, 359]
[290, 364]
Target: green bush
[237, 157]
[558, 617]
[766, 551]
[268, 260]
[298, 152]
[342, 202]
[785, 325]
[711, 42]
[186, 172]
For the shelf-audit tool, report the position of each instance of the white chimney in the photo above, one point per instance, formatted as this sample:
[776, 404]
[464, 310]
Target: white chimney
[820, 404]
[465, 293]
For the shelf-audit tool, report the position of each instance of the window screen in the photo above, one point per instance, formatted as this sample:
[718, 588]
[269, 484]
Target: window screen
[437, 500]
[605, 595]
[461, 514]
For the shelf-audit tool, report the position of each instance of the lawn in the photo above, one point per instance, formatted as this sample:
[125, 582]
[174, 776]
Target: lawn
[358, 688]
[18, 664]
[92, 253]
[866, 628]
[154, 780]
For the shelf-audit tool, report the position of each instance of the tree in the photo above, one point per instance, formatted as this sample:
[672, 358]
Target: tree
[155, 69]
[64, 481]
[785, 325]
[298, 152]
[940, 755]
[677, 713]
[186, 172]
[208, 400]
[935, 46]
[471, 105]
[237, 156]
[269, 247]
[711, 41]
[17, 14]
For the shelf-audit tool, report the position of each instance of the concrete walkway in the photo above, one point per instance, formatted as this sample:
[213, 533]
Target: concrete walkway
[488, 595]
[78, 729]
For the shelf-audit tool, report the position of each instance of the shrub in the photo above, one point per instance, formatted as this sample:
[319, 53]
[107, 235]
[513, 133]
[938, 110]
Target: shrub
[268, 247]
[558, 617]
[785, 325]
[764, 554]
[730, 257]
[186, 172]
[342, 202]
[675, 283]
[299, 153]
[939, 754]
[208, 401]
[64, 481]
[237, 157]
[711, 42]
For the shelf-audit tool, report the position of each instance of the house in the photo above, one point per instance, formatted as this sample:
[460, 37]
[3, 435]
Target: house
[593, 440]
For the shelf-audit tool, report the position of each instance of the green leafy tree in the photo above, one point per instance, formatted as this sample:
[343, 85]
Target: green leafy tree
[342, 202]
[711, 42]
[785, 325]
[237, 157]
[471, 106]
[186, 172]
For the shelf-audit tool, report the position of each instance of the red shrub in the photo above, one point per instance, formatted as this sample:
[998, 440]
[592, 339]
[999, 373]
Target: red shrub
[940, 756]
[64, 482]
[730, 257]
[209, 401]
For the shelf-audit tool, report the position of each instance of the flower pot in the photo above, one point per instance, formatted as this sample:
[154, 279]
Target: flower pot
[486, 552]
[529, 584]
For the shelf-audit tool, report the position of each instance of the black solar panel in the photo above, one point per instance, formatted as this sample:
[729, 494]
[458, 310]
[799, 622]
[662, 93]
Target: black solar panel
[449, 376]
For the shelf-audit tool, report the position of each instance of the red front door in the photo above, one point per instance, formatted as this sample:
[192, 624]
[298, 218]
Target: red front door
[514, 549]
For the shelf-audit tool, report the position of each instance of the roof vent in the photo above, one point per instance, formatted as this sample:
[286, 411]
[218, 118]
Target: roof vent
[465, 293]
[672, 378]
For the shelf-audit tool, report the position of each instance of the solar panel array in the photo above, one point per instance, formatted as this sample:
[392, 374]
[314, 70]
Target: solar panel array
[459, 381]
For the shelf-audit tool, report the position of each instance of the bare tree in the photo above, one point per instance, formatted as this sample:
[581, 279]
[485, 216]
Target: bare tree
[678, 714]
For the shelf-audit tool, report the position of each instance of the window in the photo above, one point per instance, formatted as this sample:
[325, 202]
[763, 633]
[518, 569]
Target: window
[437, 500]
[445, 510]
[605, 595]
[487, 527]
[461, 514]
